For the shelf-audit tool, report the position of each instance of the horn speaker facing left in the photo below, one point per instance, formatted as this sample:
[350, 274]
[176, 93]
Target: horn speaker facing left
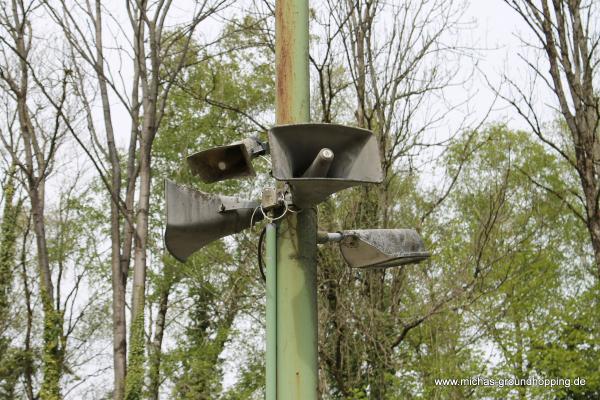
[195, 218]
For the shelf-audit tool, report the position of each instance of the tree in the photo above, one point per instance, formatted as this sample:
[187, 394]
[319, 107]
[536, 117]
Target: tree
[390, 74]
[9, 228]
[221, 97]
[532, 270]
[157, 56]
[32, 148]
[565, 34]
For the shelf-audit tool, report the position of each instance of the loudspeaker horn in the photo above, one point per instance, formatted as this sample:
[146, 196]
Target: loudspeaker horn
[195, 218]
[317, 160]
[226, 162]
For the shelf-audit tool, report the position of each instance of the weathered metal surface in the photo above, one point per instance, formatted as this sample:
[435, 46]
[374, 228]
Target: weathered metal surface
[296, 237]
[382, 248]
[291, 60]
[270, 199]
[327, 237]
[226, 162]
[220, 163]
[229, 204]
[195, 219]
[295, 147]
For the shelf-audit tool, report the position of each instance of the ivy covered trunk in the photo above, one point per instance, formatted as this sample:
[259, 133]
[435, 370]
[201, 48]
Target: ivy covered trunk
[54, 342]
[8, 241]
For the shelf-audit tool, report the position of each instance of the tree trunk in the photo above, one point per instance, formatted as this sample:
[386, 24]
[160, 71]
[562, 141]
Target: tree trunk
[593, 215]
[156, 351]
[119, 271]
[135, 378]
[9, 372]
[7, 249]
[52, 355]
[569, 43]
[28, 367]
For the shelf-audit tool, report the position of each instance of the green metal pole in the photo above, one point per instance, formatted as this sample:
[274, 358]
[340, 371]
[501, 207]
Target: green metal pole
[271, 262]
[297, 308]
[297, 233]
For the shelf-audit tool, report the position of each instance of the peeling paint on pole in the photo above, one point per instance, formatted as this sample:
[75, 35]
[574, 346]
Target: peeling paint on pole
[291, 59]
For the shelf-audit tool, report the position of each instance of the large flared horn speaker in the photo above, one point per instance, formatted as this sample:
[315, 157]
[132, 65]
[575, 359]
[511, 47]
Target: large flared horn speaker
[195, 219]
[382, 248]
[320, 159]
[226, 162]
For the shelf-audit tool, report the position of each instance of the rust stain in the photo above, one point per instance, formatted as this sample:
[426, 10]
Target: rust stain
[284, 20]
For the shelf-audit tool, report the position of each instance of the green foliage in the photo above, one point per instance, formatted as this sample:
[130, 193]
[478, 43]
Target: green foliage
[209, 107]
[11, 369]
[529, 261]
[509, 291]
[251, 383]
[569, 346]
[508, 275]
[200, 374]
[212, 102]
